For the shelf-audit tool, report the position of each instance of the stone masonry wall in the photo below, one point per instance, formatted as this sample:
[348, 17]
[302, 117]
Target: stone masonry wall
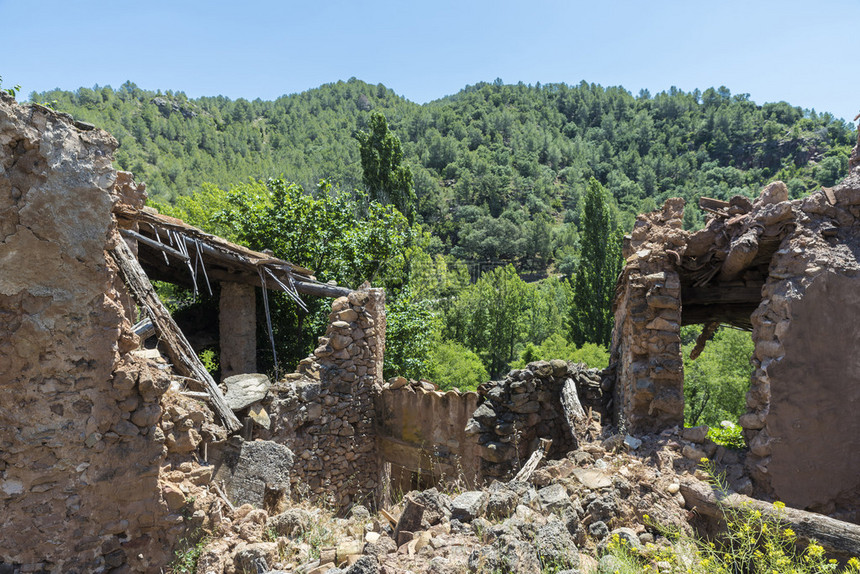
[80, 452]
[325, 412]
[646, 341]
[525, 407]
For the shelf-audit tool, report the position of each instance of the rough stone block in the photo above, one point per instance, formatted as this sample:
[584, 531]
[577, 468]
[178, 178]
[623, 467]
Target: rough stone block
[469, 505]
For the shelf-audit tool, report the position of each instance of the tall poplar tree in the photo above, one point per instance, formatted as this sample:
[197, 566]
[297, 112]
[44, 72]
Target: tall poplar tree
[386, 178]
[597, 271]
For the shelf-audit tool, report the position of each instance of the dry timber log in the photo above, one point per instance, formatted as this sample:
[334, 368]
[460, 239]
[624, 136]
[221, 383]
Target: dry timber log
[144, 329]
[837, 537]
[184, 358]
[128, 233]
[741, 254]
[570, 405]
[534, 460]
[717, 206]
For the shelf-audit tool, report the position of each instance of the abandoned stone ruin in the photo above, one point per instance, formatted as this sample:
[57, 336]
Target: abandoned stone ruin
[112, 453]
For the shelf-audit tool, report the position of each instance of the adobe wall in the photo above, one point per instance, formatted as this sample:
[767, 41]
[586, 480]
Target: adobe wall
[325, 412]
[790, 271]
[423, 431]
[80, 449]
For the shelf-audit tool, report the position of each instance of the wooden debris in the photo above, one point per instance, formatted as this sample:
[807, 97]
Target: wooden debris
[573, 411]
[144, 329]
[534, 460]
[837, 537]
[706, 335]
[184, 358]
[716, 206]
[223, 496]
[128, 233]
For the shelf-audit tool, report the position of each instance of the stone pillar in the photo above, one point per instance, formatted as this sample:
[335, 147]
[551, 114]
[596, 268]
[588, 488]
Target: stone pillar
[238, 328]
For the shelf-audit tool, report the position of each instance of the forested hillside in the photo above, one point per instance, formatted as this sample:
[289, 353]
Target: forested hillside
[498, 169]
[512, 183]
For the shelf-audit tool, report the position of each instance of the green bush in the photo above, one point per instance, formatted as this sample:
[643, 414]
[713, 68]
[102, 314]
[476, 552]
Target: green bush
[453, 365]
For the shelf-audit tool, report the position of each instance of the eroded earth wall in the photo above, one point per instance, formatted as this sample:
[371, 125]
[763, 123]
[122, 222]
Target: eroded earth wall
[422, 434]
[790, 271]
[79, 455]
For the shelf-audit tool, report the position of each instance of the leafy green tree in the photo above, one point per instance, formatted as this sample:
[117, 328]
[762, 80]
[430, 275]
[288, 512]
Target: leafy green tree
[489, 317]
[386, 178]
[557, 347]
[410, 338]
[715, 383]
[325, 231]
[597, 272]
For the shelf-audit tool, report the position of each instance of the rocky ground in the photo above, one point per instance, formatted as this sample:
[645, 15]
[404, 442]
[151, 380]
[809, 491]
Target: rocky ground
[559, 521]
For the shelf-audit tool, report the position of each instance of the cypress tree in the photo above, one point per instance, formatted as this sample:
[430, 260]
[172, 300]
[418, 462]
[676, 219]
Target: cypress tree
[597, 271]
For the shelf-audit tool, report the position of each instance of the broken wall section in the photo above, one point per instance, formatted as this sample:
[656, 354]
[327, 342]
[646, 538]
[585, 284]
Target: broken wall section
[325, 411]
[802, 422]
[80, 451]
[645, 354]
[546, 400]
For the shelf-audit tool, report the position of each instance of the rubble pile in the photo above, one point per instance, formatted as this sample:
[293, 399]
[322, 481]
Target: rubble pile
[563, 517]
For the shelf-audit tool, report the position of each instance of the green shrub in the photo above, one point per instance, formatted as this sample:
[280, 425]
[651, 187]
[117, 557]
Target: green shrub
[728, 434]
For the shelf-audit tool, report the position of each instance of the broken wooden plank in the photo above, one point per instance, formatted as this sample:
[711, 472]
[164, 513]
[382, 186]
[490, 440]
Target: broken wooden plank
[534, 460]
[128, 233]
[713, 204]
[184, 358]
[226, 269]
[144, 329]
[570, 405]
[837, 537]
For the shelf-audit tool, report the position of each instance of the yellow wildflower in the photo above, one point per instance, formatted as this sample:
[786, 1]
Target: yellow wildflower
[779, 505]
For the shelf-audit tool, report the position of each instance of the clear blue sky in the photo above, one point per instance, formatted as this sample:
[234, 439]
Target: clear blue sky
[802, 52]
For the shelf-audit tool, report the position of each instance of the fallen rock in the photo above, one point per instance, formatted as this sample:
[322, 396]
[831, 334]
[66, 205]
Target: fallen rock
[592, 478]
[553, 497]
[469, 505]
[293, 522]
[555, 546]
[245, 390]
[695, 434]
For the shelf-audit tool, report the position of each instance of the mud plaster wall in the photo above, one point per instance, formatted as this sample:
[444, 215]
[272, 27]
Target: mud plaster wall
[325, 412]
[424, 432]
[79, 453]
[802, 426]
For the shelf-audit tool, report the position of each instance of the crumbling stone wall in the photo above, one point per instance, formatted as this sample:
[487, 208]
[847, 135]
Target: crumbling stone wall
[80, 449]
[790, 271]
[325, 412]
[526, 406]
[646, 340]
